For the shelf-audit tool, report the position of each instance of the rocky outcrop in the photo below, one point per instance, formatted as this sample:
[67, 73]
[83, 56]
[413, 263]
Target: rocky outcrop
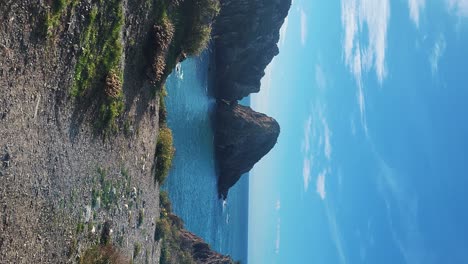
[246, 33]
[201, 251]
[242, 138]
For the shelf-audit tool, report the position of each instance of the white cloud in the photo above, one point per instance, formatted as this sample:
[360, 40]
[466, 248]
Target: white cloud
[303, 26]
[362, 107]
[320, 188]
[283, 31]
[437, 52]
[306, 173]
[278, 236]
[307, 131]
[373, 17]
[460, 7]
[327, 134]
[415, 8]
[278, 205]
[320, 78]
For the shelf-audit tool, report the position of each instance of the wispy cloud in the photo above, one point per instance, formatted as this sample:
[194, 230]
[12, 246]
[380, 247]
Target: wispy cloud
[307, 134]
[437, 52]
[459, 7]
[320, 78]
[278, 205]
[327, 134]
[402, 207]
[303, 26]
[362, 56]
[308, 157]
[320, 187]
[415, 8]
[335, 233]
[278, 236]
[306, 172]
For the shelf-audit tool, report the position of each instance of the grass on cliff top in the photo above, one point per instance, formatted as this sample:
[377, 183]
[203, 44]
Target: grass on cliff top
[98, 66]
[164, 154]
[199, 24]
[164, 146]
[191, 22]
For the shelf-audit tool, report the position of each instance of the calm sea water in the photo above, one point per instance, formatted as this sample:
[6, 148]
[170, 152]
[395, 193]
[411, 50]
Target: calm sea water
[192, 180]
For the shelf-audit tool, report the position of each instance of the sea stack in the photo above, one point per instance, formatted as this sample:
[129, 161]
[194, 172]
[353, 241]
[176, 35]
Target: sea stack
[243, 137]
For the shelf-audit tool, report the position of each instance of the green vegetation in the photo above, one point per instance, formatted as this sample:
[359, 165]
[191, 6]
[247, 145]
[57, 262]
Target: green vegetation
[79, 227]
[162, 107]
[98, 66]
[101, 45]
[136, 250]
[55, 13]
[105, 195]
[184, 31]
[168, 230]
[164, 154]
[141, 216]
[199, 25]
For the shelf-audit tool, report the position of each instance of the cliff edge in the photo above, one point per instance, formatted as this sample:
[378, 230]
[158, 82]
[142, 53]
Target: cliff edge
[246, 34]
[242, 138]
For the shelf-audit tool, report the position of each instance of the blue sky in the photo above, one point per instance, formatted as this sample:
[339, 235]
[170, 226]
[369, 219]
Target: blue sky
[371, 164]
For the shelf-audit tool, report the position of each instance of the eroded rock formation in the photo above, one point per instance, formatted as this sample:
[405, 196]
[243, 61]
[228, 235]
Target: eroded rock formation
[242, 137]
[246, 36]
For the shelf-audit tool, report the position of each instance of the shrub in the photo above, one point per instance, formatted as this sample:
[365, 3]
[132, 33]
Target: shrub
[113, 86]
[162, 107]
[141, 216]
[163, 229]
[136, 250]
[107, 254]
[164, 201]
[164, 154]
[198, 40]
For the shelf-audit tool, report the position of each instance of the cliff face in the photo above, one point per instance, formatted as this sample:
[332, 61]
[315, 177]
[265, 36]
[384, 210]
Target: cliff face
[242, 138]
[246, 33]
[201, 251]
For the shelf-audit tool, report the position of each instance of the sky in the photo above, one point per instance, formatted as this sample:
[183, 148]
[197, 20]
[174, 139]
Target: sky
[371, 163]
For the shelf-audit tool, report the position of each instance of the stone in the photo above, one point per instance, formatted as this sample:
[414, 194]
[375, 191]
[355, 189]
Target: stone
[242, 138]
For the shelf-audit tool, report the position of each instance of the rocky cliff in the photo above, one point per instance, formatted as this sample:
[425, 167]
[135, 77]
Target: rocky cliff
[242, 137]
[246, 33]
[201, 251]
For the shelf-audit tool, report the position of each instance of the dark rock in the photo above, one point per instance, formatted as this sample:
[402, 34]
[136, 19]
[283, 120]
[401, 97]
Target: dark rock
[6, 160]
[242, 138]
[246, 33]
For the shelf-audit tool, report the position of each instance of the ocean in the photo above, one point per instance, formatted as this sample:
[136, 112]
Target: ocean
[191, 183]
